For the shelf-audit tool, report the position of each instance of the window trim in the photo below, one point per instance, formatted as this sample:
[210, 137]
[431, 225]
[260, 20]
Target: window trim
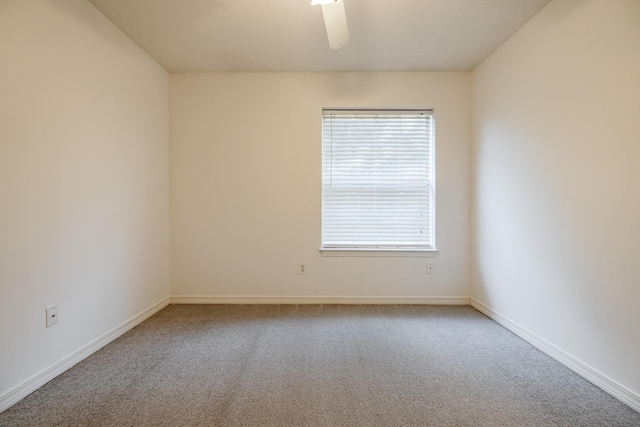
[383, 252]
[409, 252]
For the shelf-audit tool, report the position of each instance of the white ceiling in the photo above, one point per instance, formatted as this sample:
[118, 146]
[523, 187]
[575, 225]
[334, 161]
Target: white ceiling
[289, 35]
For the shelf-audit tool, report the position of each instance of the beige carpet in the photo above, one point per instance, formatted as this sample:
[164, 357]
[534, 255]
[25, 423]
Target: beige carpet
[297, 365]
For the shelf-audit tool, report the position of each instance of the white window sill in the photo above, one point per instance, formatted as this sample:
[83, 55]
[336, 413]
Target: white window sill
[405, 253]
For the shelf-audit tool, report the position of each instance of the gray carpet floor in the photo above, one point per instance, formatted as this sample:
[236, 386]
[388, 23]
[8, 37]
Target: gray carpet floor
[313, 365]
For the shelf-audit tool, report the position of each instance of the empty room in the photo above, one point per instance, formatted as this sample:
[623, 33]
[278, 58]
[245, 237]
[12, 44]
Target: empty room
[319, 213]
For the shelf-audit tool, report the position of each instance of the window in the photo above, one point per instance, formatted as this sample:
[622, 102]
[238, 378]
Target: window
[378, 187]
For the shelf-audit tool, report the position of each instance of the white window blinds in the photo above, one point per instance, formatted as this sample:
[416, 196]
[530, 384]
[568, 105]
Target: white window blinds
[378, 189]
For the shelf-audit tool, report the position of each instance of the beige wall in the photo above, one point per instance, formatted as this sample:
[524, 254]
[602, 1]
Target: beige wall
[83, 181]
[246, 185]
[557, 183]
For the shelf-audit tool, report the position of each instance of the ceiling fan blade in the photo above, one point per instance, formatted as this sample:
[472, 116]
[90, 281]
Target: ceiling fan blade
[335, 21]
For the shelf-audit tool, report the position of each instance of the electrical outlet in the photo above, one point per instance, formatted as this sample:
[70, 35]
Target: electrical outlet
[302, 268]
[429, 268]
[52, 315]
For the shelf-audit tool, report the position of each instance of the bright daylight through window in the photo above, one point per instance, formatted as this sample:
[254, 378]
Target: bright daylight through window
[378, 180]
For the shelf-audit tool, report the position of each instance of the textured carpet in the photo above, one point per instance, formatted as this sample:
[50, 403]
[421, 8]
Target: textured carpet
[312, 365]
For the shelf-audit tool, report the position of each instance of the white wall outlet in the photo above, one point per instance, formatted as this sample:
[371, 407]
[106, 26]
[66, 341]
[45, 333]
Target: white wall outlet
[52, 315]
[302, 268]
[429, 268]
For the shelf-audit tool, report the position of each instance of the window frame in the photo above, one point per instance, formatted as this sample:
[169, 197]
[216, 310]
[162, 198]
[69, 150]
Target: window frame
[385, 251]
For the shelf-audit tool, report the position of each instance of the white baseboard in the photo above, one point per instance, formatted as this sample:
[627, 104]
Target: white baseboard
[241, 299]
[607, 384]
[17, 393]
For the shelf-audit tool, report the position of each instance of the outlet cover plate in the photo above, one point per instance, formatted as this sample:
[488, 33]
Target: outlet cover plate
[302, 268]
[52, 315]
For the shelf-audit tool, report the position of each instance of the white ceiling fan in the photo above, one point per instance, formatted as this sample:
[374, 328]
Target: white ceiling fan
[335, 21]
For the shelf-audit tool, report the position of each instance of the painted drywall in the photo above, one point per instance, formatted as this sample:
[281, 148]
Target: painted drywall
[84, 176]
[557, 183]
[246, 185]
